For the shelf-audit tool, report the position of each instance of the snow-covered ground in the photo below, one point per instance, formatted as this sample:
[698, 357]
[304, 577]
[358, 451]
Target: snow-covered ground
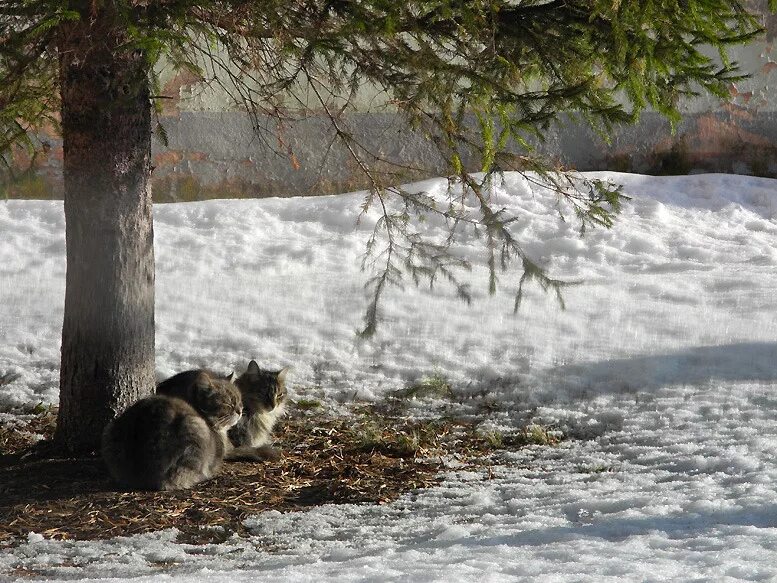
[663, 370]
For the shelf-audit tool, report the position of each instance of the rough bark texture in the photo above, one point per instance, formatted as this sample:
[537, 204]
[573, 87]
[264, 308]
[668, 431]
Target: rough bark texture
[108, 329]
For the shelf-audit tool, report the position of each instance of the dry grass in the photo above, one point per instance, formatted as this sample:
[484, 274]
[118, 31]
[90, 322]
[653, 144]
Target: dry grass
[369, 457]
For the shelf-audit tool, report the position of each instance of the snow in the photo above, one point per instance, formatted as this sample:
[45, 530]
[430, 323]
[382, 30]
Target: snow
[662, 371]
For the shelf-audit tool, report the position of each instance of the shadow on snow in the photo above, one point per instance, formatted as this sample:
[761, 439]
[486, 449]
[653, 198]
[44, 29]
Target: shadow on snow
[744, 362]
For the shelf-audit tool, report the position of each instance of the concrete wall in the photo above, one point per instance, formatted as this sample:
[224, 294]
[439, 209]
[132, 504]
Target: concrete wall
[214, 151]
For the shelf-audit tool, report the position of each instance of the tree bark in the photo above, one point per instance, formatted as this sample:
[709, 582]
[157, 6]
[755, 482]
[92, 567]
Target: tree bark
[108, 329]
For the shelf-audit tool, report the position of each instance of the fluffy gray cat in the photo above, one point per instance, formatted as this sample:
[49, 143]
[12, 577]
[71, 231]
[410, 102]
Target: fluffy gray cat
[263, 393]
[166, 442]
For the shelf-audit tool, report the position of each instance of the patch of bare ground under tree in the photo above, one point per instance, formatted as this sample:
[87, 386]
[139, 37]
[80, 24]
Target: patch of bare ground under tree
[367, 457]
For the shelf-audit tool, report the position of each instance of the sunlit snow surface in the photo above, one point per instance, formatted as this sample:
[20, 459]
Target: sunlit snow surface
[663, 369]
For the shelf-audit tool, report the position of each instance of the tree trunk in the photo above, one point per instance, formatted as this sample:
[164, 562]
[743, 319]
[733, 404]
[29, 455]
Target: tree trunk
[108, 329]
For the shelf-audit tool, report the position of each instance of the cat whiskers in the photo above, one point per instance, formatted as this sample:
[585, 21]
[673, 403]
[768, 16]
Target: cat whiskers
[229, 419]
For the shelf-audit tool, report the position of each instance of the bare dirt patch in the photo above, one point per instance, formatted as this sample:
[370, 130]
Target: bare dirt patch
[367, 457]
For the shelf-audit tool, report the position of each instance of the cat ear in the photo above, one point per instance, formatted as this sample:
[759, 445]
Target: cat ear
[202, 381]
[231, 377]
[281, 374]
[253, 368]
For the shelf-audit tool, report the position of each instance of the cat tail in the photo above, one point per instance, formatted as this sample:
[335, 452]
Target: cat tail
[191, 467]
[246, 453]
[198, 460]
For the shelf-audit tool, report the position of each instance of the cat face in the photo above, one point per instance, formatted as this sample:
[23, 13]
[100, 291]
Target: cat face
[262, 390]
[217, 400]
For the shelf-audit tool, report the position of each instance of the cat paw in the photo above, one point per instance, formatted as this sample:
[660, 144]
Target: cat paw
[253, 454]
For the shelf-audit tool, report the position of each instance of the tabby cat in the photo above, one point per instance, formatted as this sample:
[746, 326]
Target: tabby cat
[167, 443]
[264, 401]
[263, 394]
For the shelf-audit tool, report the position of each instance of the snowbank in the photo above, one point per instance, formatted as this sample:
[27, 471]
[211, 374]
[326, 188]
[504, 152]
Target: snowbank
[663, 369]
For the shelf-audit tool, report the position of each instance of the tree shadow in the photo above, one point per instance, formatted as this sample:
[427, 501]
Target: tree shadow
[617, 529]
[51, 479]
[751, 361]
